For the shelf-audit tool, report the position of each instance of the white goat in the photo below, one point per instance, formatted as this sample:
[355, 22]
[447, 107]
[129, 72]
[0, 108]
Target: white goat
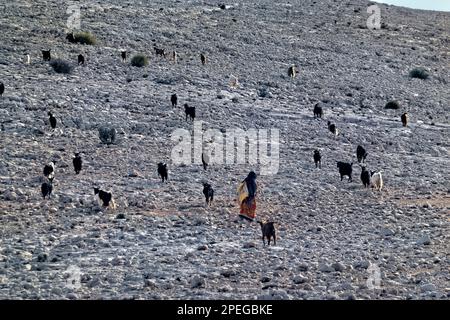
[376, 180]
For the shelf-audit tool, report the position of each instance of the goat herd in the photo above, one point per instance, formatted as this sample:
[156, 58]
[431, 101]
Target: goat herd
[368, 178]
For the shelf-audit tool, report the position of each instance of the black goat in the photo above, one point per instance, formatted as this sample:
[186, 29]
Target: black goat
[162, 171]
[345, 169]
[208, 191]
[189, 111]
[268, 231]
[318, 112]
[361, 154]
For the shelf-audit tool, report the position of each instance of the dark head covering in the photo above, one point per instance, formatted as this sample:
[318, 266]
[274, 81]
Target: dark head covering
[251, 183]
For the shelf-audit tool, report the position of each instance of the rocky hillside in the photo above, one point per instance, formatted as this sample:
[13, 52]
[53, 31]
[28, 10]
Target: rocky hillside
[336, 240]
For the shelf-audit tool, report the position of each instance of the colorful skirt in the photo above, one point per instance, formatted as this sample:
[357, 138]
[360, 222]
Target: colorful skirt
[248, 209]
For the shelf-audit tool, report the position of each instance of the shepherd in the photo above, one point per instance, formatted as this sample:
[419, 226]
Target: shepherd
[247, 197]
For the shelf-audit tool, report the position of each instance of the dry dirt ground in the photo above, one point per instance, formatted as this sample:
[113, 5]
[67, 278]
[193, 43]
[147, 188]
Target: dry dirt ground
[336, 240]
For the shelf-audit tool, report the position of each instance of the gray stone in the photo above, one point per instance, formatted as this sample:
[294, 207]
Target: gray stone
[197, 282]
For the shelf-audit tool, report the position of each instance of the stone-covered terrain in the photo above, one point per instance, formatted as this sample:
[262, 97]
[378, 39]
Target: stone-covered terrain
[333, 236]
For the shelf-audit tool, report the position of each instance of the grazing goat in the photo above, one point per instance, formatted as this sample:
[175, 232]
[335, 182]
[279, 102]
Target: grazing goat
[162, 171]
[317, 158]
[77, 163]
[105, 199]
[80, 59]
[189, 111]
[124, 56]
[46, 189]
[175, 56]
[332, 128]
[345, 169]
[404, 119]
[46, 55]
[292, 72]
[208, 191]
[365, 177]
[160, 52]
[318, 112]
[174, 100]
[71, 38]
[52, 120]
[205, 161]
[203, 59]
[361, 154]
[234, 83]
[2, 88]
[49, 169]
[268, 231]
[376, 180]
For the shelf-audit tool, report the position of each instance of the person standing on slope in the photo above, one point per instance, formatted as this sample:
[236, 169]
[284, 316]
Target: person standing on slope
[246, 197]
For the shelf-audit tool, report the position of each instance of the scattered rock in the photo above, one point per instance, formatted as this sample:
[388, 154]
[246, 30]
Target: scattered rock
[198, 282]
[428, 287]
[424, 240]
[337, 266]
[300, 279]
[249, 245]
[323, 267]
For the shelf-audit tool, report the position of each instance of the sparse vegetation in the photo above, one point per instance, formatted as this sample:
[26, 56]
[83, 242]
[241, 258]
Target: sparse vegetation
[61, 66]
[139, 60]
[107, 135]
[419, 73]
[85, 38]
[392, 105]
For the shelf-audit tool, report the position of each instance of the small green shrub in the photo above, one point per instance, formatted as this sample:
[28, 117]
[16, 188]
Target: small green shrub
[392, 105]
[85, 38]
[419, 73]
[61, 66]
[139, 60]
[107, 135]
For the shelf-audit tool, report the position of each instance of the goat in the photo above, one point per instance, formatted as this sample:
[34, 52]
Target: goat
[46, 56]
[318, 112]
[71, 38]
[162, 171]
[174, 100]
[376, 180]
[292, 72]
[52, 120]
[77, 163]
[332, 128]
[345, 169]
[46, 189]
[203, 59]
[268, 231]
[105, 199]
[365, 177]
[317, 158]
[404, 119]
[49, 170]
[175, 56]
[189, 111]
[208, 191]
[361, 154]
[160, 52]
[80, 59]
